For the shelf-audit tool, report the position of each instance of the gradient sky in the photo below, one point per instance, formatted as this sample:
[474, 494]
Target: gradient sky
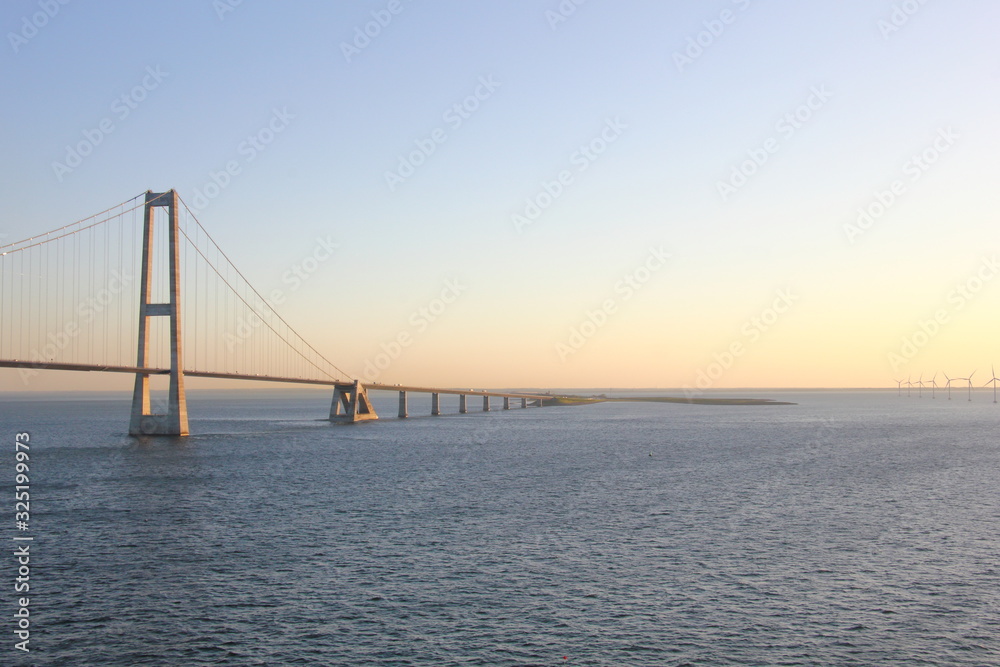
[881, 93]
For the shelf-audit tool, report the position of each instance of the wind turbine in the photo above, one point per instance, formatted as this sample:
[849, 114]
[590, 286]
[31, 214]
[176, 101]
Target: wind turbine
[969, 379]
[908, 385]
[933, 383]
[994, 380]
[899, 387]
[948, 385]
[920, 386]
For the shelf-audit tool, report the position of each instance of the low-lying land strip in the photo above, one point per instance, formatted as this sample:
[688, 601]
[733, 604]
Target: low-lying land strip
[587, 400]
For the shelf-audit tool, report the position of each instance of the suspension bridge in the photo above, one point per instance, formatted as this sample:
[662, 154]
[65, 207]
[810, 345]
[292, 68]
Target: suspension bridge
[146, 271]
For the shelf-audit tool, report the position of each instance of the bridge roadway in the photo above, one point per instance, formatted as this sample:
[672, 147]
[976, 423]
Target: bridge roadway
[34, 365]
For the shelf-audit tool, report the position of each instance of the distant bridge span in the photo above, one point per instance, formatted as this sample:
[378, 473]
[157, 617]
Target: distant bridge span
[374, 386]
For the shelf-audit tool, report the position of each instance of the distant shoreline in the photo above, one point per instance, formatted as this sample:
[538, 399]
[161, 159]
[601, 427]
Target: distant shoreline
[588, 400]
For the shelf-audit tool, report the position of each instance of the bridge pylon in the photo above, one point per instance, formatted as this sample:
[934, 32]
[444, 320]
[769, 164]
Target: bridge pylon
[353, 399]
[175, 421]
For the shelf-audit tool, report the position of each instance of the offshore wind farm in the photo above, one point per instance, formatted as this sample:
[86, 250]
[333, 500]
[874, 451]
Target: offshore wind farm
[948, 380]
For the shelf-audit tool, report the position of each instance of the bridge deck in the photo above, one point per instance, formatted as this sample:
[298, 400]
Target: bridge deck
[374, 386]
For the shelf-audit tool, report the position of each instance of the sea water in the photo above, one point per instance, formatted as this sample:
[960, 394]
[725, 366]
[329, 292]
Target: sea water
[853, 528]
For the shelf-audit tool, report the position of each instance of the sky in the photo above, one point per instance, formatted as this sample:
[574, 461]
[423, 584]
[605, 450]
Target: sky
[705, 195]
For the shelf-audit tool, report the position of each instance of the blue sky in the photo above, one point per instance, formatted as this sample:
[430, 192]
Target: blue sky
[879, 97]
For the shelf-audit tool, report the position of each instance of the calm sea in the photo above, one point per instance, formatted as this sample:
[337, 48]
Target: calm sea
[855, 528]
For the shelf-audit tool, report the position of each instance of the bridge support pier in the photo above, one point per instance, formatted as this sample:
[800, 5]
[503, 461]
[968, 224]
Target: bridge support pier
[486, 403]
[436, 404]
[524, 403]
[463, 403]
[353, 399]
[143, 420]
[403, 414]
[506, 402]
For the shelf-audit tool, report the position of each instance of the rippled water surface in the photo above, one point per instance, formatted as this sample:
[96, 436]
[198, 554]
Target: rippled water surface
[850, 529]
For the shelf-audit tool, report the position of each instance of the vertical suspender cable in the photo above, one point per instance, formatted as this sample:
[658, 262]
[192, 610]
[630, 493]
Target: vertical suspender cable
[90, 292]
[4, 337]
[105, 308]
[121, 296]
[27, 286]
